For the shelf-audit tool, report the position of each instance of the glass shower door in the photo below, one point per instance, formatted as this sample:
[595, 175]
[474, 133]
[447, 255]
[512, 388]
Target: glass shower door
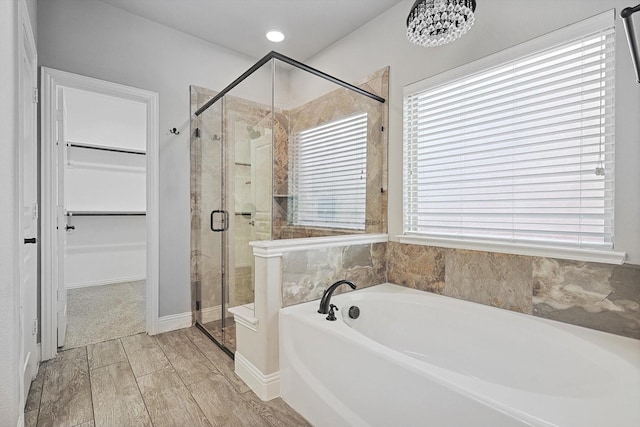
[210, 220]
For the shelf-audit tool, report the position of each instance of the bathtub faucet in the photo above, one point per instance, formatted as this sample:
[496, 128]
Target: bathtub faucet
[326, 297]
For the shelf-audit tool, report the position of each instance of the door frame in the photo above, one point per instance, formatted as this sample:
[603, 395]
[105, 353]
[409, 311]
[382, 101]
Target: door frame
[51, 80]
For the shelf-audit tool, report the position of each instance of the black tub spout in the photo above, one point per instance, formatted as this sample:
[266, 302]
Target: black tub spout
[326, 297]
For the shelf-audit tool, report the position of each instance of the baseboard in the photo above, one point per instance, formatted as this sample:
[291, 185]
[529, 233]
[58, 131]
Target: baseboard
[266, 387]
[104, 282]
[21, 418]
[174, 321]
[211, 314]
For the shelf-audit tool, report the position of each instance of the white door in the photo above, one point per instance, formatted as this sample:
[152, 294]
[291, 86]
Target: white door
[29, 195]
[61, 156]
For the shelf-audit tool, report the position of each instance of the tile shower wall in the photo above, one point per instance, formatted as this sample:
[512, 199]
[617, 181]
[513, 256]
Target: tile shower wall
[598, 296]
[307, 273]
[240, 117]
[335, 105]
[205, 261]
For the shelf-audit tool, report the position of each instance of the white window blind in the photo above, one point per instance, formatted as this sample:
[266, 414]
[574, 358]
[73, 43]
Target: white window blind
[521, 152]
[328, 180]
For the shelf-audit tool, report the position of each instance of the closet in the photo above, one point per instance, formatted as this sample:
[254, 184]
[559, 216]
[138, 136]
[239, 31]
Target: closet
[104, 187]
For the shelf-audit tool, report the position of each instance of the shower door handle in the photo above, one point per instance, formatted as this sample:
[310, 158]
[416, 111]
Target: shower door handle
[224, 220]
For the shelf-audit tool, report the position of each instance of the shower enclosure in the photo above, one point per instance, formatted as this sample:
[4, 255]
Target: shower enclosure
[285, 151]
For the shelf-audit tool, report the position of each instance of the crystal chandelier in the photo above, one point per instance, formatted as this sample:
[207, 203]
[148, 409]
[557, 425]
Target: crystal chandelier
[436, 22]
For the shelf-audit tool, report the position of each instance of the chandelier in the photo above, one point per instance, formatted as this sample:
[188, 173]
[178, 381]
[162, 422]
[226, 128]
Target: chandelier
[436, 22]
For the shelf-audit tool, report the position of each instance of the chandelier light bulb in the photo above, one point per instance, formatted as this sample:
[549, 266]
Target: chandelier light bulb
[436, 22]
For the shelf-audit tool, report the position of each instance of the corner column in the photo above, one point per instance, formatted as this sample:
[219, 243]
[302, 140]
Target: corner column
[256, 357]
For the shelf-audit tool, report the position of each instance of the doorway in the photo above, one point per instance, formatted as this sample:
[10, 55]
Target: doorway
[99, 210]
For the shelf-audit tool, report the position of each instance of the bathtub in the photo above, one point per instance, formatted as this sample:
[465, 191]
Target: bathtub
[413, 358]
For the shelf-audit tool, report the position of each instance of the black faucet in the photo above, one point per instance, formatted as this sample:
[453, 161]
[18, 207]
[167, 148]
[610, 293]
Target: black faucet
[326, 297]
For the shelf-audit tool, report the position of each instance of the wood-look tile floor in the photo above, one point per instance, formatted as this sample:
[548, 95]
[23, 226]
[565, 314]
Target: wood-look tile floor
[179, 378]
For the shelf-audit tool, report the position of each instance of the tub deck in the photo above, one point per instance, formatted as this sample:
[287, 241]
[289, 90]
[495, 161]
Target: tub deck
[416, 358]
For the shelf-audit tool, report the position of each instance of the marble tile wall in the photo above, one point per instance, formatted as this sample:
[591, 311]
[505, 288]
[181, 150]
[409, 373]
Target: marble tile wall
[327, 108]
[205, 261]
[306, 274]
[241, 119]
[598, 296]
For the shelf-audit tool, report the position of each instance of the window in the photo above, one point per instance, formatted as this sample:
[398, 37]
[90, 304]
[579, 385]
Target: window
[329, 178]
[517, 151]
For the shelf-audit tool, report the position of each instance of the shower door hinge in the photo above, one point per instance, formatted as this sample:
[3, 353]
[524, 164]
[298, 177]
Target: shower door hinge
[197, 132]
[197, 305]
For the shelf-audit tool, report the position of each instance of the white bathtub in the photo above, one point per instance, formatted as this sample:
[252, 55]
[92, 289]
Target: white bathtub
[414, 358]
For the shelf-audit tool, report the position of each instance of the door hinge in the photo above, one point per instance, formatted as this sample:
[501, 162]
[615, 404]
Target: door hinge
[36, 96]
[197, 305]
[35, 327]
[197, 132]
[35, 211]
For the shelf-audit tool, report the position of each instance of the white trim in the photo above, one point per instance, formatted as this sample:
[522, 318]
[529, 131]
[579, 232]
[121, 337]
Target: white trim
[266, 387]
[174, 321]
[275, 248]
[577, 254]
[21, 419]
[245, 315]
[210, 314]
[51, 79]
[104, 282]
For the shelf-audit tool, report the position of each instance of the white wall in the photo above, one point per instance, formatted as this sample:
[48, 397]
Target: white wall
[9, 245]
[104, 249]
[94, 39]
[98, 119]
[499, 24]
[32, 9]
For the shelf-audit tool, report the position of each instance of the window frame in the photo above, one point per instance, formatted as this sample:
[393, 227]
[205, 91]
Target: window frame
[596, 23]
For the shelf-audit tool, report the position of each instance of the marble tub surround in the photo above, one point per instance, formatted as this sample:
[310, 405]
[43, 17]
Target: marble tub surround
[598, 296]
[306, 274]
[498, 280]
[417, 267]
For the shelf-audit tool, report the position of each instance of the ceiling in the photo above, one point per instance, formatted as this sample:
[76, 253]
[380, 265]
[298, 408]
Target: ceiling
[310, 26]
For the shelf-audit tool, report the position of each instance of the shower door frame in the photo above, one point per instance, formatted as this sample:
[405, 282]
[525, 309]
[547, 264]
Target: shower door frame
[222, 208]
[220, 96]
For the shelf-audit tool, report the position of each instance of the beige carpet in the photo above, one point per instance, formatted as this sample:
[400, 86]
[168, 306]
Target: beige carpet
[101, 313]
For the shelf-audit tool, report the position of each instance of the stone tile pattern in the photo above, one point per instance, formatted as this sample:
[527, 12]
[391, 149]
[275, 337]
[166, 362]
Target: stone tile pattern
[333, 106]
[179, 378]
[206, 164]
[598, 296]
[307, 273]
[206, 193]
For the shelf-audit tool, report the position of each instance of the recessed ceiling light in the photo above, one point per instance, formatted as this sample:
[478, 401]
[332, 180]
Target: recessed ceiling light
[275, 36]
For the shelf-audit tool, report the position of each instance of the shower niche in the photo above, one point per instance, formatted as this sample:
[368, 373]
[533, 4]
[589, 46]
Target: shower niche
[284, 152]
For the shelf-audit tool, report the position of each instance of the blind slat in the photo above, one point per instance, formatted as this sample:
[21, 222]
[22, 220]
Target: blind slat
[511, 153]
[328, 174]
